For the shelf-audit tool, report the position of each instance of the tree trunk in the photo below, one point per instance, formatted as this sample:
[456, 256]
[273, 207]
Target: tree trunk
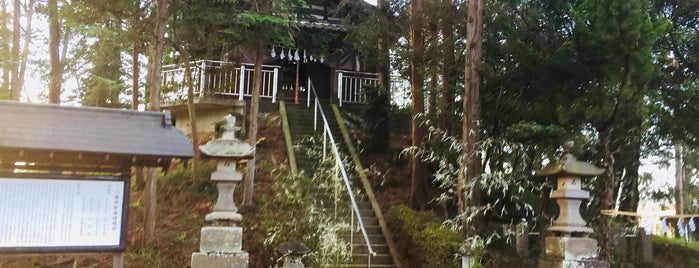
[607, 198]
[152, 174]
[15, 87]
[419, 184]
[4, 49]
[679, 179]
[433, 89]
[27, 41]
[252, 134]
[135, 74]
[384, 66]
[56, 72]
[158, 54]
[470, 160]
[631, 152]
[446, 99]
[630, 198]
[192, 114]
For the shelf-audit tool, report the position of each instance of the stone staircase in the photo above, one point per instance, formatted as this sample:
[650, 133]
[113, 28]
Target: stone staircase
[301, 120]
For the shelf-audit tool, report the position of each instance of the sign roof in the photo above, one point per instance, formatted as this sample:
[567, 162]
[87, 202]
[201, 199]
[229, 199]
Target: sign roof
[90, 131]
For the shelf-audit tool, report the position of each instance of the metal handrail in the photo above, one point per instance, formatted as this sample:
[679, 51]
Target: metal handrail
[196, 62]
[327, 133]
[350, 90]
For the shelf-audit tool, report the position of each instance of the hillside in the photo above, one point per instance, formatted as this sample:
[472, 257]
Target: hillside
[184, 201]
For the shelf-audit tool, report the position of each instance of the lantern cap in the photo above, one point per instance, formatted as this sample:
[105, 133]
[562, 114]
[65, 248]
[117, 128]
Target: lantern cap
[569, 165]
[293, 247]
[228, 146]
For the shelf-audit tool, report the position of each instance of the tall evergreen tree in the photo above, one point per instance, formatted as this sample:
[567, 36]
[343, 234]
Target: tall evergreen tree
[613, 41]
[104, 84]
[449, 69]
[161, 15]
[4, 51]
[265, 24]
[15, 86]
[470, 158]
[418, 176]
[56, 68]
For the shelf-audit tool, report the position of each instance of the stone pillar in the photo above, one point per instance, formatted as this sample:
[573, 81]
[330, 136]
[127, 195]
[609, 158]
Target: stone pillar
[646, 248]
[522, 240]
[221, 242]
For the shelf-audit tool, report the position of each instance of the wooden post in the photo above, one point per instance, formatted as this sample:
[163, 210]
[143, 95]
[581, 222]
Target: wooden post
[296, 92]
[241, 90]
[339, 88]
[275, 84]
[202, 79]
[308, 91]
[118, 261]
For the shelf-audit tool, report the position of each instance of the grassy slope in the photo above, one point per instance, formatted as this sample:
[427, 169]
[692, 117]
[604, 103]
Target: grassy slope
[182, 204]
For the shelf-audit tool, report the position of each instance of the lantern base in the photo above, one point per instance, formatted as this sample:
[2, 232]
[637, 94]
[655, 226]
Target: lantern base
[224, 216]
[219, 260]
[558, 263]
[571, 252]
[570, 229]
[220, 247]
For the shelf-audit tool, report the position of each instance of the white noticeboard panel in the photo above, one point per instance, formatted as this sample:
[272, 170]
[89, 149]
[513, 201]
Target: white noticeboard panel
[61, 214]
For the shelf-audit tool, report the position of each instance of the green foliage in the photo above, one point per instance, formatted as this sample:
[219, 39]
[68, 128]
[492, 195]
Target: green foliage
[427, 242]
[376, 115]
[201, 183]
[510, 190]
[4, 93]
[268, 29]
[315, 42]
[677, 250]
[291, 205]
[310, 209]
[440, 245]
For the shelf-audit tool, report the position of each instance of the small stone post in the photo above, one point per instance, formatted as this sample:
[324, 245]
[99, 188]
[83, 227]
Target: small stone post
[567, 243]
[221, 242]
[522, 240]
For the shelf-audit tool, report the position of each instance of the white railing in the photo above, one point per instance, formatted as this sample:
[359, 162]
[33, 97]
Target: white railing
[218, 78]
[328, 138]
[350, 86]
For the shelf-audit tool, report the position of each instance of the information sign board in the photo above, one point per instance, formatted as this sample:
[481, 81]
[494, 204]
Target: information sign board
[62, 215]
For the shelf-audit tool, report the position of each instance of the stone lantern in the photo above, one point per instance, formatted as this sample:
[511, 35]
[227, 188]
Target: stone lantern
[221, 243]
[568, 244]
[293, 252]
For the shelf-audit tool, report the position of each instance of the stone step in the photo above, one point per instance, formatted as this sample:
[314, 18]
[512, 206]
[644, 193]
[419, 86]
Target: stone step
[368, 221]
[358, 238]
[379, 259]
[378, 248]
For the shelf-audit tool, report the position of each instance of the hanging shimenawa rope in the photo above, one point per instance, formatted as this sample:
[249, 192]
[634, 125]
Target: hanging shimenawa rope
[292, 55]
